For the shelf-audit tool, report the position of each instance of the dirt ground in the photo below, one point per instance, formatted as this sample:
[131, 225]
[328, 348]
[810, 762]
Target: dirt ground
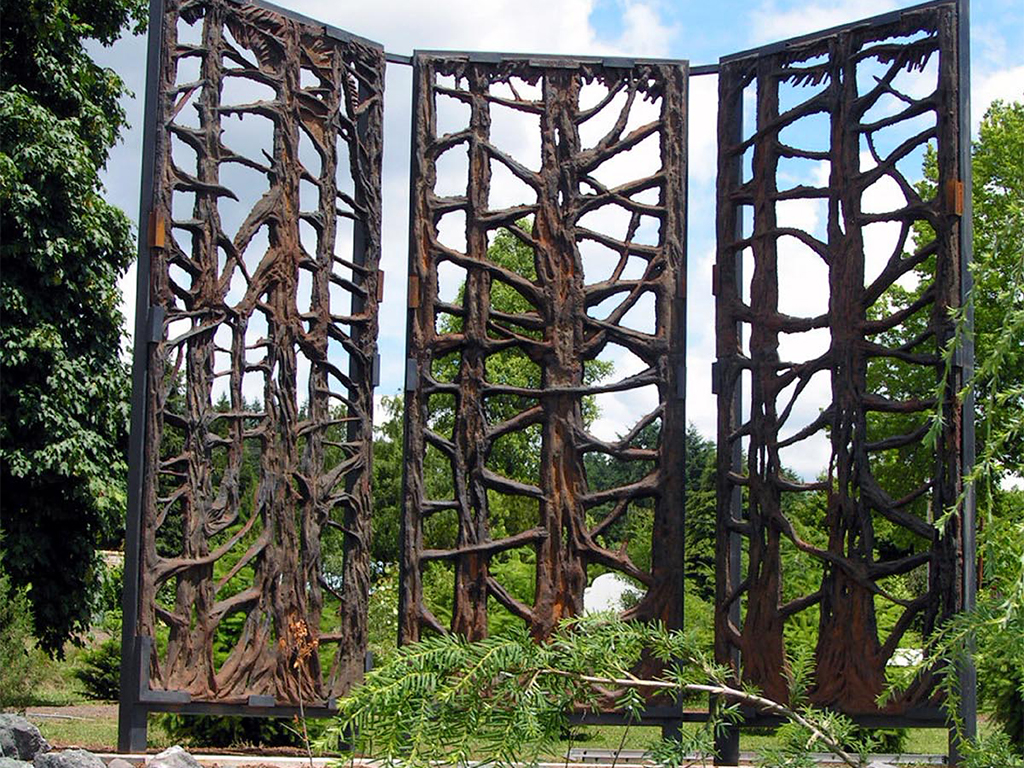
[83, 711]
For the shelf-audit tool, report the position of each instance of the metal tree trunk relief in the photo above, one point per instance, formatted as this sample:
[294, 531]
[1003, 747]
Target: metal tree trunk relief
[857, 108]
[265, 244]
[541, 286]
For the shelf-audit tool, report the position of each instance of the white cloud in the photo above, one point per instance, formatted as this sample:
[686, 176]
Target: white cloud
[620, 411]
[700, 402]
[1005, 84]
[645, 31]
[497, 25]
[703, 132]
[769, 23]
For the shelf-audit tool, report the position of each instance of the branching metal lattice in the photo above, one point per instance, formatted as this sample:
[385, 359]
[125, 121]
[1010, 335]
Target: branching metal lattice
[506, 356]
[881, 92]
[256, 498]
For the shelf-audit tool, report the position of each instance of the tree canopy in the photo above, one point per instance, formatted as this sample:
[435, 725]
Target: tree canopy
[63, 405]
[998, 272]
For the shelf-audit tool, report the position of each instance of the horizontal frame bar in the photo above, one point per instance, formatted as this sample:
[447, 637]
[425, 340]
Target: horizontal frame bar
[329, 30]
[927, 717]
[871, 21]
[539, 59]
[695, 71]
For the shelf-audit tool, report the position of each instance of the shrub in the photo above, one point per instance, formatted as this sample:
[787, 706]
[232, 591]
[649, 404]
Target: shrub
[18, 672]
[106, 609]
[100, 670]
[208, 731]
[892, 741]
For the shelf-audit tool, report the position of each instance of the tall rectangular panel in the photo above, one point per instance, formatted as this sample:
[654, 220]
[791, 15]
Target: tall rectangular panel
[547, 246]
[263, 253]
[838, 273]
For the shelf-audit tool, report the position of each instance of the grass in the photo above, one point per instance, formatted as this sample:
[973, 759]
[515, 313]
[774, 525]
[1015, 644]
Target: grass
[920, 741]
[98, 734]
[931, 741]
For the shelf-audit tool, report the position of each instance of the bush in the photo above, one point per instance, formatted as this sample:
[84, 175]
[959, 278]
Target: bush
[18, 671]
[208, 731]
[998, 622]
[106, 609]
[890, 741]
[1004, 692]
[100, 672]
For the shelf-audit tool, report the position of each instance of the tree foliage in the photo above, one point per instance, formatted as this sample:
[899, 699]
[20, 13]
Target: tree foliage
[444, 700]
[998, 384]
[387, 481]
[998, 273]
[993, 634]
[63, 405]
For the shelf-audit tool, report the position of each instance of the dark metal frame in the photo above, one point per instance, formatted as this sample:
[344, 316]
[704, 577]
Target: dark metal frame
[564, 337]
[339, 482]
[952, 556]
[967, 446]
[131, 734]
[137, 699]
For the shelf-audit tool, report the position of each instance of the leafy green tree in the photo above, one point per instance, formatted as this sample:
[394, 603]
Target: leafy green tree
[516, 455]
[999, 622]
[387, 482]
[998, 386]
[998, 273]
[63, 405]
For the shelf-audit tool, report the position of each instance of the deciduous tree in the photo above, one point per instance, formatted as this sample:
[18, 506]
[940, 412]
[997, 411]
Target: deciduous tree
[63, 404]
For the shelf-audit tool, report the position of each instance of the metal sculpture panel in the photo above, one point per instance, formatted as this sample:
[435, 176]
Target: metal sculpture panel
[265, 243]
[839, 134]
[585, 258]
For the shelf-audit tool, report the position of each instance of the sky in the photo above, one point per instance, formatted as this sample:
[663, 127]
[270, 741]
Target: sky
[699, 31]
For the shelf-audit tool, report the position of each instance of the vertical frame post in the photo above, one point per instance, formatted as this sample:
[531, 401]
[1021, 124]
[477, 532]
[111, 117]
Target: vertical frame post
[131, 717]
[728, 382]
[409, 579]
[676, 198]
[968, 705]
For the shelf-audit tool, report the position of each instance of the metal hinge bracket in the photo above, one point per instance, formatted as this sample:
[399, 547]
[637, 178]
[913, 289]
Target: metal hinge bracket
[157, 230]
[955, 197]
[412, 374]
[155, 324]
[413, 297]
